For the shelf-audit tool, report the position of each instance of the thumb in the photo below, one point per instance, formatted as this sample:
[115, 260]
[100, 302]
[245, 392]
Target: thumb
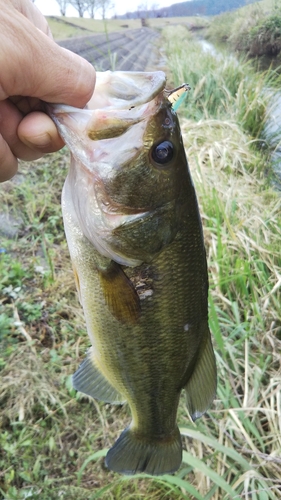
[36, 66]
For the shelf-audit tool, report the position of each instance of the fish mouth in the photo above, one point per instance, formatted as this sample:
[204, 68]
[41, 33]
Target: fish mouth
[117, 90]
[102, 138]
[120, 101]
[126, 89]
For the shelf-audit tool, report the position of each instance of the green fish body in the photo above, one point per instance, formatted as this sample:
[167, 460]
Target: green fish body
[135, 238]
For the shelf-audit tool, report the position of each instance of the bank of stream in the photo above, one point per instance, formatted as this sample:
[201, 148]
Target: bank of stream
[271, 131]
[222, 125]
[52, 440]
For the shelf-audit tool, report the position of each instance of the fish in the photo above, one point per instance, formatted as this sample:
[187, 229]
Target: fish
[135, 238]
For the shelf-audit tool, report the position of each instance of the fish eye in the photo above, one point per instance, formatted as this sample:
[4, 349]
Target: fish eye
[163, 152]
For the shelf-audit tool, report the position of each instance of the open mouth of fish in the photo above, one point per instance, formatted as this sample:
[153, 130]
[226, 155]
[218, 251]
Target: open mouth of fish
[120, 100]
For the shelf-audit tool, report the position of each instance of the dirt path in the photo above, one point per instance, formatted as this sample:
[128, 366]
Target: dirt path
[129, 50]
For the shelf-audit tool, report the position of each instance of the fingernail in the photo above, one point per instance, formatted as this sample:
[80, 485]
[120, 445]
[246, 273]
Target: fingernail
[41, 141]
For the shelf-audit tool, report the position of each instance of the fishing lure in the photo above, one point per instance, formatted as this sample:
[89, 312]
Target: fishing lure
[177, 95]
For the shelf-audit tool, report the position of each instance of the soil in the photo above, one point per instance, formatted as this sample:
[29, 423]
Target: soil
[129, 50]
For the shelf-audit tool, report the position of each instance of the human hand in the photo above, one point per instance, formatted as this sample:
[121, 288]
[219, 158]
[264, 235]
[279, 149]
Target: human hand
[34, 70]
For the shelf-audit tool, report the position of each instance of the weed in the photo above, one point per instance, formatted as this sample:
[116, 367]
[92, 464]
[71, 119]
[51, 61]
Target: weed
[265, 38]
[253, 30]
[53, 440]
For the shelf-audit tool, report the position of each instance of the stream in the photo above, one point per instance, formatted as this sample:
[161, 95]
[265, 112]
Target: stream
[271, 133]
[272, 130]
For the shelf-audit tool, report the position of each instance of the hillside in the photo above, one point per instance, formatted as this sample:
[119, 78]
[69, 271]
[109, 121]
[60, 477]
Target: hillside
[191, 8]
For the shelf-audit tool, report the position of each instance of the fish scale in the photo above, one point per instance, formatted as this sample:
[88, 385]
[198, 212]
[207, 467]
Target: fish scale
[141, 273]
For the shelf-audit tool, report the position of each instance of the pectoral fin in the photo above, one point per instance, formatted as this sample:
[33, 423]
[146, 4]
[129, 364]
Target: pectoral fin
[201, 386]
[89, 380]
[120, 294]
[77, 282]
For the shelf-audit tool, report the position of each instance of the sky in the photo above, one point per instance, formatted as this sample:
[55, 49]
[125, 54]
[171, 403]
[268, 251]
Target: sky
[51, 8]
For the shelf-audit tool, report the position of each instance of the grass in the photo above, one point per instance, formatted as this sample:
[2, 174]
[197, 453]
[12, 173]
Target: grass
[52, 440]
[241, 215]
[253, 30]
[69, 29]
[66, 27]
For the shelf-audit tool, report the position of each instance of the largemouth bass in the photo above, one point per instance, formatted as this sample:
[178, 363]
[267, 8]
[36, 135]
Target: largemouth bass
[136, 244]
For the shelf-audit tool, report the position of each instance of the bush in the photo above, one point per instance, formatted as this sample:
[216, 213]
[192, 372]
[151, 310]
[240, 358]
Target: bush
[265, 37]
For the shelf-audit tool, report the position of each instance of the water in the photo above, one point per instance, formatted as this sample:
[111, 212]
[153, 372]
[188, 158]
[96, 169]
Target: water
[272, 130]
[209, 48]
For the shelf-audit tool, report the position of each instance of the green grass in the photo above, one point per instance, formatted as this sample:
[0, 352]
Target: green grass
[52, 440]
[66, 27]
[253, 30]
[221, 123]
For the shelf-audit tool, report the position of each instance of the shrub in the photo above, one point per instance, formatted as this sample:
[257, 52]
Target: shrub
[265, 37]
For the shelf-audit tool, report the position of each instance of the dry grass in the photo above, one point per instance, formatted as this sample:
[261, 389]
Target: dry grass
[242, 231]
[241, 216]
[52, 442]
[74, 26]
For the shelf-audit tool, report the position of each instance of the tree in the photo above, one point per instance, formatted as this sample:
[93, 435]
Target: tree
[104, 6]
[80, 5]
[93, 5]
[154, 8]
[62, 5]
[142, 10]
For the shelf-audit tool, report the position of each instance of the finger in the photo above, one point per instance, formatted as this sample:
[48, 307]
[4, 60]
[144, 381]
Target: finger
[10, 119]
[29, 10]
[39, 133]
[26, 104]
[47, 71]
[8, 162]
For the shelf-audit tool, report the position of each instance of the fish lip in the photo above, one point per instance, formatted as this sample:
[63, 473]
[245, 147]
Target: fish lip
[86, 131]
[120, 100]
[146, 86]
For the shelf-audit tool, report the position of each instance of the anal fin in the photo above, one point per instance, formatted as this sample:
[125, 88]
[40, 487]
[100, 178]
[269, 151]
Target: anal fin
[89, 380]
[201, 386]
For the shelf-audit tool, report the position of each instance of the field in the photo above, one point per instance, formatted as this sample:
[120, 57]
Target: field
[74, 26]
[52, 439]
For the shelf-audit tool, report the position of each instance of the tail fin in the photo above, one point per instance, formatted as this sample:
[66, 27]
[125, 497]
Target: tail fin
[133, 453]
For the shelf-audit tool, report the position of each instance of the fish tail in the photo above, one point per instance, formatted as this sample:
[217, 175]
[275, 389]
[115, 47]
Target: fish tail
[132, 453]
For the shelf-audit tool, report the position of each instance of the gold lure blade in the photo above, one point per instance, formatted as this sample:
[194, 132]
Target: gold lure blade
[177, 95]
